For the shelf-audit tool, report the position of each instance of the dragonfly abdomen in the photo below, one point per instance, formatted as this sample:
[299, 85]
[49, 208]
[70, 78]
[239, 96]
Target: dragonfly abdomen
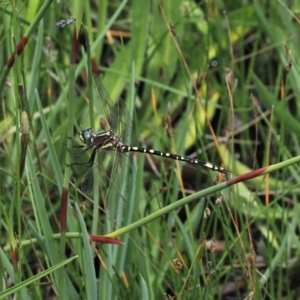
[205, 164]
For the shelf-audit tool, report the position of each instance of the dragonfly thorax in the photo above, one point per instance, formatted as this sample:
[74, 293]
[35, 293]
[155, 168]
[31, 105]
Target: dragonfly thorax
[106, 140]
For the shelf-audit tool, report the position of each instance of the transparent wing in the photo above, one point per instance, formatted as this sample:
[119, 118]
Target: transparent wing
[116, 113]
[120, 189]
[113, 177]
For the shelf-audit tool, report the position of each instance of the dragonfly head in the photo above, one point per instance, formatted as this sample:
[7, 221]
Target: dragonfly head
[87, 136]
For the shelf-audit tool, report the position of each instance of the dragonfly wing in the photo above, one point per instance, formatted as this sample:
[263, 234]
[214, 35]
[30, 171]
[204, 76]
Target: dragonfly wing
[113, 178]
[116, 113]
[122, 184]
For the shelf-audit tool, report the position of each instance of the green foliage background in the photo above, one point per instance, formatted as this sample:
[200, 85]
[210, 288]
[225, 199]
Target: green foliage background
[216, 80]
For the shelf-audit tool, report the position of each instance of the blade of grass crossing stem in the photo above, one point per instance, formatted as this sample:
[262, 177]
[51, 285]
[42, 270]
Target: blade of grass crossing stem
[66, 179]
[59, 178]
[143, 288]
[41, 213]
[105, 282]
[50, 144]
[36, 66]
[34, 279]
[139, 33]
[108, 24]
[88, 263]
[103, 17]
[186, 236]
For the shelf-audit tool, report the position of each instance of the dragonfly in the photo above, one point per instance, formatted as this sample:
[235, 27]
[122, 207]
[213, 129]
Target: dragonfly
[110, 150]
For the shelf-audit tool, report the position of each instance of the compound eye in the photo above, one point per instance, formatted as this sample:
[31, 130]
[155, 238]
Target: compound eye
[86, 135]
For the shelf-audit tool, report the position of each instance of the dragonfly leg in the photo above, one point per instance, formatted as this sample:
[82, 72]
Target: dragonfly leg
[74, 145]
[79, 154]
[85, 164]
